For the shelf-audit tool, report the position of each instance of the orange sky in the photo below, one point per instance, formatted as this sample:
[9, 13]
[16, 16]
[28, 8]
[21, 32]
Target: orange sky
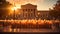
[41, 4]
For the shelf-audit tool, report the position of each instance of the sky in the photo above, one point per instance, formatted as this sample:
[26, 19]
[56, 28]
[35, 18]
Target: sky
[41, 4]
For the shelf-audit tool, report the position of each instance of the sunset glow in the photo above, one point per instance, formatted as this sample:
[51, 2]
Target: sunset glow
[15, 8]
[30, 16]
[42, 4]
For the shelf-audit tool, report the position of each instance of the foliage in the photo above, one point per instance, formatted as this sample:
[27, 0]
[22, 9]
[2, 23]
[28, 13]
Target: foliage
[55, 13]
[4, 7]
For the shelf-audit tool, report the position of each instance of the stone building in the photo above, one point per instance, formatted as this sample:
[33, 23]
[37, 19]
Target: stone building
[43, 14]
[29, 11]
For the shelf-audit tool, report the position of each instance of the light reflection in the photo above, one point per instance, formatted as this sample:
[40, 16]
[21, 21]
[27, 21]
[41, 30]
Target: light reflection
[10, 30]
[14, 8]
[18, 30]
[34, 22]
[29, 21]
[14, 30]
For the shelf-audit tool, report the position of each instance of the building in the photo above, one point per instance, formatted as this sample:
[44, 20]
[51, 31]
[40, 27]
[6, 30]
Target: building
[43, 14]
[30, 11]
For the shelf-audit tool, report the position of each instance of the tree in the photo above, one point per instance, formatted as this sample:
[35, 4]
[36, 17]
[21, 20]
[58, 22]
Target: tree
[4, 5]
[55, 13]
[57, 6]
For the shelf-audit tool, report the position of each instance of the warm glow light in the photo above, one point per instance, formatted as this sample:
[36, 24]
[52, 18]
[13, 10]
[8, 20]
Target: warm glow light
[14, 8]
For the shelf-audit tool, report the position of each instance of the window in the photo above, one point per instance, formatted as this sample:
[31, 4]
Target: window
[26, 9]
[34, 9]
[31, 9]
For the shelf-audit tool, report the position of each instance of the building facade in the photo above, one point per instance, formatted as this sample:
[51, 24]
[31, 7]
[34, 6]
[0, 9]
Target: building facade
[30, 11]
[43, 14]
